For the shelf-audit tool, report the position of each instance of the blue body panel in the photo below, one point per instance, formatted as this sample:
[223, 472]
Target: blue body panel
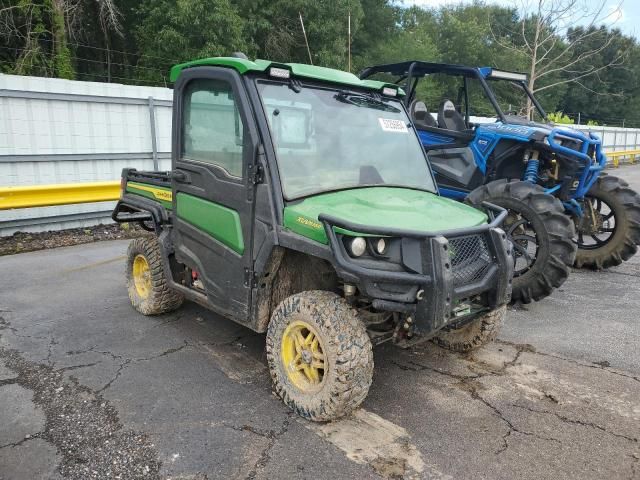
[487, 137]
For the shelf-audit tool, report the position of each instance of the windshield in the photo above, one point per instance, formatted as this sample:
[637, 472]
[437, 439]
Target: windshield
[330, 140]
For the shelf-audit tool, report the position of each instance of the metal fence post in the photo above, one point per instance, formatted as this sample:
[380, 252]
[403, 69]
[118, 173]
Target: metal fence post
[154, 140]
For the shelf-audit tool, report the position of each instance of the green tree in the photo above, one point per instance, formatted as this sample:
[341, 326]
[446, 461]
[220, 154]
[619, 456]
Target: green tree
[276, 33]
[379, 28]
[464, 36]
[172, 31]
[61, 52]
[613, 95]
[413, 40]
[36, 34]
[560, 118]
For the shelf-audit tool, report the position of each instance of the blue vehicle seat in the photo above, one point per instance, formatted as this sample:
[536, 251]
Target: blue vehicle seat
[449, 118]
[420, 115]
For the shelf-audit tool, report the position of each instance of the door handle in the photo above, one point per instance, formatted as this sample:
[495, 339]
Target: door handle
[180, 177]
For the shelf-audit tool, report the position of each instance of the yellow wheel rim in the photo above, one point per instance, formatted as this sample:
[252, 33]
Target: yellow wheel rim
[303, 356]
[142, 276]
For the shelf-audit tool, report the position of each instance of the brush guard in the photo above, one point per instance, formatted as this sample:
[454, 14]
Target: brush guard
[484, 266]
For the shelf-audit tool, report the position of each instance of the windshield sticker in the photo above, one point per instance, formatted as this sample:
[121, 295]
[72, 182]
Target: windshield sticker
[393, 125]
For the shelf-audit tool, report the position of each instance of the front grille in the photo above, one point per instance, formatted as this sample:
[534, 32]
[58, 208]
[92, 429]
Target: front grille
[470, 259]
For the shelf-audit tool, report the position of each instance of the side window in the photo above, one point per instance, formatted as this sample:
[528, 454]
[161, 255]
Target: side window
[212, 130]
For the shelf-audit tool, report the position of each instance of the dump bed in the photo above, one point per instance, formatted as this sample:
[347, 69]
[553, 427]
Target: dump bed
[145, 197]
[153, 185]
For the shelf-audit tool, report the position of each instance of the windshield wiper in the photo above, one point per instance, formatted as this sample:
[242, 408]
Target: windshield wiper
[363, 100]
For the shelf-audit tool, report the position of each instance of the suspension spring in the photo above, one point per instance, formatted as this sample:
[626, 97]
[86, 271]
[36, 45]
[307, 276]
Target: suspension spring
[531, 172]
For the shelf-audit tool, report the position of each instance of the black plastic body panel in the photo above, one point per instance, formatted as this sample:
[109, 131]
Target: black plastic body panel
[435, 277]
[455, 167]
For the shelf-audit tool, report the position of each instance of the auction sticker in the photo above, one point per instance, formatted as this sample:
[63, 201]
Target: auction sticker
[393, 125]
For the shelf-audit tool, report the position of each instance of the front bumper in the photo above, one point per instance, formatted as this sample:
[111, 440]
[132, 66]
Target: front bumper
[438, 272]
[588, 152]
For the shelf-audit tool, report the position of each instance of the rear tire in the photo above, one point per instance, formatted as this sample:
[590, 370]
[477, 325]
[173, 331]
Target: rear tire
[553, 231]
[624, 206]
[473, 335]
[146, 282]
[336, 339]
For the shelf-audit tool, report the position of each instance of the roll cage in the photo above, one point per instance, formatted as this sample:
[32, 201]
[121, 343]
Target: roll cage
[409, 74]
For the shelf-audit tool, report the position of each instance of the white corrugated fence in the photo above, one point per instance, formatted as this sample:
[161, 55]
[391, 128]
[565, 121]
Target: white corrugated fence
[60, 131]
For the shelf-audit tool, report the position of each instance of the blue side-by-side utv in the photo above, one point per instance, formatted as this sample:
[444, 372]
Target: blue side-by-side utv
[491, 141]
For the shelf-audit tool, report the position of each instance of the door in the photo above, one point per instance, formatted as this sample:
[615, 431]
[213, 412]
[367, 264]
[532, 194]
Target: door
[215, 141]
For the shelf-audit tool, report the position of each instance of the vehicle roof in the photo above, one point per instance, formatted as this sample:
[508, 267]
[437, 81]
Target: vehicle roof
[244, 66]
[423, 68]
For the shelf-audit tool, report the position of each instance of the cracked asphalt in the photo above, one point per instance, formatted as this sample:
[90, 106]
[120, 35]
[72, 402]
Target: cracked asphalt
[91, 389]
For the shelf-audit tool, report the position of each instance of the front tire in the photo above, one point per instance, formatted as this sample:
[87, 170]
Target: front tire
[146, 282]
[615, 210]
[319, 355]
[541, 234]
[474, 334]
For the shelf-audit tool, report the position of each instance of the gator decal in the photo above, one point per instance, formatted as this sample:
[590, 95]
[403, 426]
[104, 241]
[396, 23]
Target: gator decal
[304, 225]
[215, 220]
[308, 222]
[163, 195]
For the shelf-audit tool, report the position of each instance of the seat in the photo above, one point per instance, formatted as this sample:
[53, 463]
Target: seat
[420, 115]
[450, 118]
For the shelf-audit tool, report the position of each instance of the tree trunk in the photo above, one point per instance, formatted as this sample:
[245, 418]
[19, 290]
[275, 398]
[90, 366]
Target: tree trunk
[61, 53]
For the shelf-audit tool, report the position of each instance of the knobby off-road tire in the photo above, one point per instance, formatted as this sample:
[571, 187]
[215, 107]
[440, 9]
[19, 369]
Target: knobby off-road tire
[554, 233]
[344, 345]
[623, 244]
[473, 335]
[146, 282]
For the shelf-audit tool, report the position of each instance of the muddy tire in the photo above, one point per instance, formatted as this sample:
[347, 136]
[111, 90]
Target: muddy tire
[146, 282]
[319, 355]
[473, 335]
[535, 218]
[622, 204]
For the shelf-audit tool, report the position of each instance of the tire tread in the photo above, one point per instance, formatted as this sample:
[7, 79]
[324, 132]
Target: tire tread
[353, 360]
[162, 299]
[560, 230]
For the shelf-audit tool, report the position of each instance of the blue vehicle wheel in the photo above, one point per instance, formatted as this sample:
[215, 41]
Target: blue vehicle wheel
[541, 234]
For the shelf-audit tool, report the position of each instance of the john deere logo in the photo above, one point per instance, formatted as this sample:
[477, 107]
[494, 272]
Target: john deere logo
[159, 193]
[163, 195]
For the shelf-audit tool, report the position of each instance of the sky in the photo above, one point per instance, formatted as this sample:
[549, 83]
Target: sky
[623, 14]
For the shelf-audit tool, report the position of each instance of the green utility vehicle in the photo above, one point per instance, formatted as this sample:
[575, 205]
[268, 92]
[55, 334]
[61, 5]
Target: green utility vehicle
[301, 204]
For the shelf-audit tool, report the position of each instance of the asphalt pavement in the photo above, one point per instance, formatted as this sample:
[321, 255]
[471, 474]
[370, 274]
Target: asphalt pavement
[89, 388]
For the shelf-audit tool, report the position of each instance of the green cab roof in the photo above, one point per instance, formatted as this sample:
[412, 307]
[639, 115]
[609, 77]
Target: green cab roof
[244, 66]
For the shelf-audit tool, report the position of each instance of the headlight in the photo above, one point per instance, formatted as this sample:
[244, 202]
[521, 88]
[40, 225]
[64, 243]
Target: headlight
[380, 246]
[358, 246]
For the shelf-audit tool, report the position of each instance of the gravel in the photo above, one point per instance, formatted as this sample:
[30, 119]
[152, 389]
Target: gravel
[83, 426]
[21, 242]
